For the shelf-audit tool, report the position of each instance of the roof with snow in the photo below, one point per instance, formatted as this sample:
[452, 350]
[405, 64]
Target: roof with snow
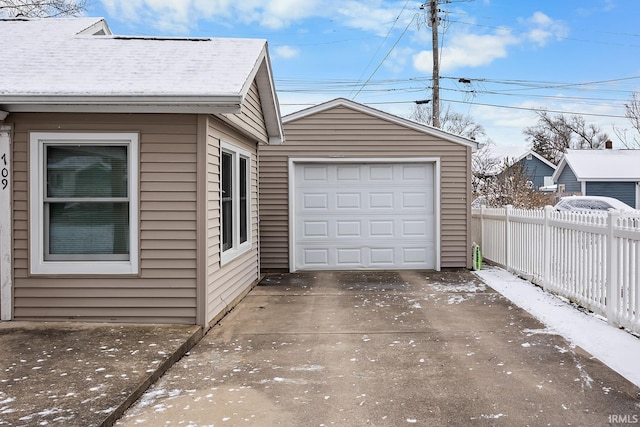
[65, 62]
[601, 165]
[497, 156]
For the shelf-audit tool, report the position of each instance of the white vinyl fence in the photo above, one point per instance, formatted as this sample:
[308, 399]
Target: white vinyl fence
[593, 259]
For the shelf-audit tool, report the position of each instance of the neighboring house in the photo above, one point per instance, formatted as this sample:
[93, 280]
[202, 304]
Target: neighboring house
[613, 173]
[130, 187]
[535, 167]
[358, 188]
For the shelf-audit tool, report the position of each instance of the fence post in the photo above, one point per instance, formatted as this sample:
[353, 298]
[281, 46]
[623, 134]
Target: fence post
[612, 298]
[507, 237]
[546, 248]
[481, 242]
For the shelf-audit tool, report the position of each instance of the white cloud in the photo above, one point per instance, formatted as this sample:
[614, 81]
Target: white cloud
[468, 50]
[542, 28]
[285, 52]
[180, 16]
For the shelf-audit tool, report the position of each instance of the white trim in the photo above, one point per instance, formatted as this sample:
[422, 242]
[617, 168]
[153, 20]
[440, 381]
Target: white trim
[429, 130]
[292, 204]
[192, 104]
[536, 155]
[37, 263]
[238, 248]
[6, 285]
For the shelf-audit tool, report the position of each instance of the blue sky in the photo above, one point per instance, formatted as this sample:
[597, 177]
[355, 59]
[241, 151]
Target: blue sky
[573, 56]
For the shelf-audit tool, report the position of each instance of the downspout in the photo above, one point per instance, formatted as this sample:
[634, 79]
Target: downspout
[6, 206]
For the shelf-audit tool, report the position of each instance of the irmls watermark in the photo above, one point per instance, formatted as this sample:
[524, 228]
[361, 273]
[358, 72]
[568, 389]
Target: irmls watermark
[624, 419]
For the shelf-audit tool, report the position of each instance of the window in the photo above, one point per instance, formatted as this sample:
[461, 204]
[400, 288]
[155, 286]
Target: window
[84, 203]
[235, 209]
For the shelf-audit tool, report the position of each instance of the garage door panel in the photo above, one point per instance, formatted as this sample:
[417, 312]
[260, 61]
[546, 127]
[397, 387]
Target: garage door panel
[381, 173]
[348, 229]
[315, 257]
[349, 256]
[315, 229]
[382, 257]
[364, 216]
[414, 200]
[314, 173]
[414, 172]
[348, 200]
[381, 228]
[348, 173]
[315, 201]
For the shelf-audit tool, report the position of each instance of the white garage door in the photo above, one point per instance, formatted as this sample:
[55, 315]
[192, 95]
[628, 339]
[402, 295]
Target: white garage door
[364, 216]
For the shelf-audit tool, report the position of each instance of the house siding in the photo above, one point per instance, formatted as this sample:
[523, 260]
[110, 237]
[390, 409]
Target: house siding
[164, 291]
[536, 170]
[251, 119]
[226, 283]
[344, 132]
[568, 178]
[624, 191]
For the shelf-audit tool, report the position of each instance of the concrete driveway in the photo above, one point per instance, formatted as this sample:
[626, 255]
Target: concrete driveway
[384, 349]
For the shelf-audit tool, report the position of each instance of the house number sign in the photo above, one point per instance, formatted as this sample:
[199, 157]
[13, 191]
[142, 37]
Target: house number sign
[4, 172]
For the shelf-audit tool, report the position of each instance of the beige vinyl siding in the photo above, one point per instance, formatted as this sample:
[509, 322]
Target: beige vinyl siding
[251, 119]
[164, 291]
[226, 283]
[345, 132]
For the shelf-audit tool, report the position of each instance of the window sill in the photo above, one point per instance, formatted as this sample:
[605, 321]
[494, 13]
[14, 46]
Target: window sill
[111, 268]
[231, 254]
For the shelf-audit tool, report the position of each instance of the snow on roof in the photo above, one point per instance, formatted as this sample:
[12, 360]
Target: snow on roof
[54, 57]
[602, 165]
[492, 158]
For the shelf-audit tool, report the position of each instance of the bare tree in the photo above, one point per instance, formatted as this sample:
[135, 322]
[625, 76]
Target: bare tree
[554, 135]
[513, 187]
[484, 166]
[450, 121]
[632, 112]
[42, 8]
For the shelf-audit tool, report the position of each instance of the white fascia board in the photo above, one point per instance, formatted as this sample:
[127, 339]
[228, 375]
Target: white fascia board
[538, 156]
[263, 77]
[126, 104]
[559, 169]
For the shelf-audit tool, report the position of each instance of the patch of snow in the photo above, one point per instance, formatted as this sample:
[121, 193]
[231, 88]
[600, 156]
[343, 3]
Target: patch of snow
[492, 416]
[310, 368]
[614, 347]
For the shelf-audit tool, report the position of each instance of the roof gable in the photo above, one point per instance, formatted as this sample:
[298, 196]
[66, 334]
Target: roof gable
[78, 65]
[601, 165]
[342, 102]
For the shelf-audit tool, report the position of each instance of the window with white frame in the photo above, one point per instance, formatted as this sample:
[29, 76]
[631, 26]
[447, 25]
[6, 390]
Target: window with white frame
[235, 207]
[84, 203]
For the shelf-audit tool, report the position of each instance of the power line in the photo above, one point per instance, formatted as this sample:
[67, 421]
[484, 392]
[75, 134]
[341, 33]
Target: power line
[385, 57]
[384, 40]
[509, 107]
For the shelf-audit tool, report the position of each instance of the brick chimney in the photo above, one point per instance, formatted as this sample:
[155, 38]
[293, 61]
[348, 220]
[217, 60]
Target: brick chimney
[608, 145]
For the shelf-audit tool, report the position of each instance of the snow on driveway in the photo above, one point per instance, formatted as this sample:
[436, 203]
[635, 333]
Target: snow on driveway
[615, 347]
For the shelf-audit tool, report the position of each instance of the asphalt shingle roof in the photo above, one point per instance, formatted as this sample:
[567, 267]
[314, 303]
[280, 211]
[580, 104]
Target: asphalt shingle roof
[51, 57]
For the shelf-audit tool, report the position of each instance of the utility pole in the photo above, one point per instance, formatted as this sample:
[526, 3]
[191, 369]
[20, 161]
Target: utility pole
[435, 105]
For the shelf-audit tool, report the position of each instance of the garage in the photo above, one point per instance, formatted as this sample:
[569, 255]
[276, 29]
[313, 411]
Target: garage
[356, 188]
[350, 216]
